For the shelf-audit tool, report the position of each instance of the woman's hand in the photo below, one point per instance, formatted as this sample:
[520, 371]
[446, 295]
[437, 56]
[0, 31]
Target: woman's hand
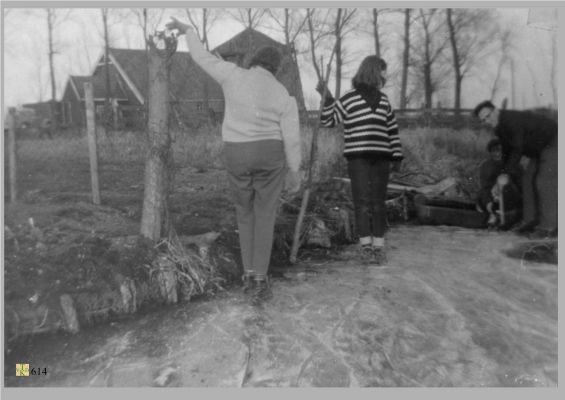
[179, 26]
[503, 179]
[293, 182]
[320, 89]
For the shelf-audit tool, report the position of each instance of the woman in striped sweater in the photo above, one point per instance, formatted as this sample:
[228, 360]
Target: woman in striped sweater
[372, 148]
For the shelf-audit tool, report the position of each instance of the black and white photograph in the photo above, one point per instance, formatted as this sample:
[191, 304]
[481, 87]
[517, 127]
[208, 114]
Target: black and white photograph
[292, 195]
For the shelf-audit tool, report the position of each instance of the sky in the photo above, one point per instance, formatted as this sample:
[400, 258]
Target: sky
[26, 72]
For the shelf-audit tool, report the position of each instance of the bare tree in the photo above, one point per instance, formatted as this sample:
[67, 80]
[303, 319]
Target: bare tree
[554, 58]
[146, 19]
[108, 87]
[503, 41]
[250, 17]
[158, 166]
[292, 23]
[343, 25]
[427, 52]
[317, 22]
[10, 32]
[376, 34]
[109, 19]
[535, 89]
[84, 47]
[39, 60]
[203, 22]
[405, 59]
[55, 17]
[468, 36]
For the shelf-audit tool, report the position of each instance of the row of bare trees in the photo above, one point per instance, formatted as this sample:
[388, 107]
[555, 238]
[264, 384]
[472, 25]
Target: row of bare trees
[428, 50]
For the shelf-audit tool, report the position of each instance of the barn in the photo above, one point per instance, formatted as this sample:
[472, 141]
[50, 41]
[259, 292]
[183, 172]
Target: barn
[195, 97]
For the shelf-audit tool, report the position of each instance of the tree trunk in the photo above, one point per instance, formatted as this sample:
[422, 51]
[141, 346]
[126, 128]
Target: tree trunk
[497, 77]
[107, 117]
[338, 55]
[428, 85]
[54, 127]
[405, 60]
[427, 71]
[146, 102]
[145, 29]
[376, 32]
[309, 16]
[554, 58]
[287, 26]
[456, 62]
[159, 160]
[206, 89]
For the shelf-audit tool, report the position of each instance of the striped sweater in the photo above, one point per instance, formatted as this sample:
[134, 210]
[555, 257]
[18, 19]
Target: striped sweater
[367, 132]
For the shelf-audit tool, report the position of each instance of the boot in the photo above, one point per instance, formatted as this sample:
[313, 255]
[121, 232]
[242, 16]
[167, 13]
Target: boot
[524, 227]
[543, 234]
[248, 282]
[366, 253]
[260, 292]
[379, 255]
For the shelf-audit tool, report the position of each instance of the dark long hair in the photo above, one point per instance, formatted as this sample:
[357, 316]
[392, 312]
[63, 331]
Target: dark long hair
[369, 74]
[268, 57]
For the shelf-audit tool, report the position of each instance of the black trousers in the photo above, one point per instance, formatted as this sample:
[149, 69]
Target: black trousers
[539, 188]
[369, 180]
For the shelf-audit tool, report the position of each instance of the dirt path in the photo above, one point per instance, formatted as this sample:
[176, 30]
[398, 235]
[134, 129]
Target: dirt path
[449, 309]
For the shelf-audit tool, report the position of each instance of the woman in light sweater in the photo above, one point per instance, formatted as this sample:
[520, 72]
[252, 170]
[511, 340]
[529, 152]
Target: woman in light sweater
[261, 143]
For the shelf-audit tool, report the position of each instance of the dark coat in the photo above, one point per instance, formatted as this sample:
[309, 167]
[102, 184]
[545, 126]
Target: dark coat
[523, 133]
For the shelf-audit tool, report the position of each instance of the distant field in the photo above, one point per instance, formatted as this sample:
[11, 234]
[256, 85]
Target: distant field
[48, 164]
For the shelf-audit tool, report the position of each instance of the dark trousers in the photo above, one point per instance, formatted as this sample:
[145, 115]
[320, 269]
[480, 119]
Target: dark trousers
[256, 172]
[369, 180]
[539, 188]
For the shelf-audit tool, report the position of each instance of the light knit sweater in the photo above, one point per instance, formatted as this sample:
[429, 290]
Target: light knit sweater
[258, 107]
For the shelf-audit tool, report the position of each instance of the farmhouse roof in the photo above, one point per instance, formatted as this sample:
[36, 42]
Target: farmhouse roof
[186, 76]
[245, 43]
[76, 86]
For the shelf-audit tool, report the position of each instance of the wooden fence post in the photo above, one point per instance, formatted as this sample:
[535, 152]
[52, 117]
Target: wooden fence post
[92, 146]
[12, 154]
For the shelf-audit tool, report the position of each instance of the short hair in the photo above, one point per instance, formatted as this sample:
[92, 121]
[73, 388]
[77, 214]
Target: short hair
[492, 144]
[369, 72]
[268, 57]
[481, 105]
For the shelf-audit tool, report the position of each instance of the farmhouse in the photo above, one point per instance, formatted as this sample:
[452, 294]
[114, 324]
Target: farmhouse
[194, 95]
